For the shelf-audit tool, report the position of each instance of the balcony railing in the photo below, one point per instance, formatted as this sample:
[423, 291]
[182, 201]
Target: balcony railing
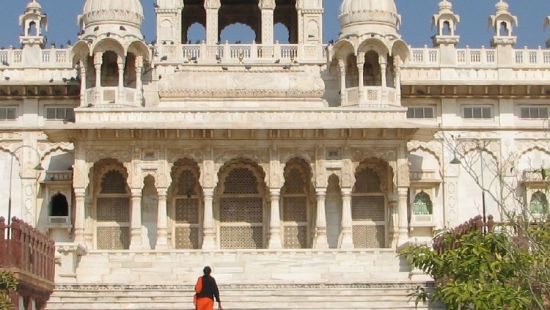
[430, 57]
[26, 250]
[49, 58]
[371, 97]
[241, 53]
[111, 96]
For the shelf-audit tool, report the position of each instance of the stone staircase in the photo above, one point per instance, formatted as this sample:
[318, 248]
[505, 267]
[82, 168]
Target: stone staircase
[248, 279]
[245, 297]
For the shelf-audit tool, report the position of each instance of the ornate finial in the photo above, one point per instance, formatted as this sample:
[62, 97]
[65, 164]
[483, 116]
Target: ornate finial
[446, 21]
[503, 23]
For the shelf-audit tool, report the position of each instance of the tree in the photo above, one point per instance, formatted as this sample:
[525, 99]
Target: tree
[475, 271]
[506, 268]
[8, 284]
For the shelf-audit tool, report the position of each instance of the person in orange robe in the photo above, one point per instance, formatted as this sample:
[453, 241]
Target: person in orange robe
[206, 290]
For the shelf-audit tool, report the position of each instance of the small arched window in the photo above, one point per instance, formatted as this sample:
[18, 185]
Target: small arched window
[422, 204]
[539, 203]
[59, 205]
[32, 30]
[446, 31]
[504, 30]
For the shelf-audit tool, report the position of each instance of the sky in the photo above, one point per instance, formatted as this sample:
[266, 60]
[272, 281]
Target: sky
[416, 14]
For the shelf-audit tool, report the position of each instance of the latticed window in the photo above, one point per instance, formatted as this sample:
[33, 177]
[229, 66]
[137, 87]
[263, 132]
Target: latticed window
[422, 204]
[187, 211]
[368, 210]
[295, 209]
[539, 203]
[113, 213]
[241, 211]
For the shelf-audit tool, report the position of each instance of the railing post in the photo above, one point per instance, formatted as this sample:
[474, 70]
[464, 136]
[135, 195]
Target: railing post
[3, 242]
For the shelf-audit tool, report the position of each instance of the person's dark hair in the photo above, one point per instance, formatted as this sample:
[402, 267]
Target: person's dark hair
[207, 271]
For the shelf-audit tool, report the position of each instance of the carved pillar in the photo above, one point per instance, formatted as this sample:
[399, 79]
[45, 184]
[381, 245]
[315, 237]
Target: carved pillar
[98, 61]
[209, 231]
[403, 182]
[397, 82]
[345, 241]
[80, 215]
[383, 67]
[135, 226]
[275, 221]
[83, 94]
[212, 35]
[267, 22]
[162, 220]
[343, 91]
[121, 95]
[402, 214]
[139, 82]
[394, 218]
[320, 241]
[360, 70]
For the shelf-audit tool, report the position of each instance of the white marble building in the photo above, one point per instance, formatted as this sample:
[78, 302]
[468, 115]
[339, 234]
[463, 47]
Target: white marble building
[281, 165]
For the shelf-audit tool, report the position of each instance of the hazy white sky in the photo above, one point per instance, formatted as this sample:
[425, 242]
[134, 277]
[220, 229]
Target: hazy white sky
[416, 28]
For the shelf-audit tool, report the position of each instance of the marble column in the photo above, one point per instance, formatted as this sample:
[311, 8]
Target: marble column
[402, 214]
[98, 61]
[121, 95]
[320, 241]
[80, 215]
[343, 91]
[397, 82]
[83, 93]
[136, 241]
[267, 25]
[209, 231]
[383, 69]
[139, 82]
[275, 221]
[162, 220]
[345, 241]
[212, 35]
[361, 82]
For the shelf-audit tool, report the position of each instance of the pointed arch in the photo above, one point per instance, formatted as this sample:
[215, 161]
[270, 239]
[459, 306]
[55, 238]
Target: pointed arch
[297, 201]
[241, 200]
[186, 204]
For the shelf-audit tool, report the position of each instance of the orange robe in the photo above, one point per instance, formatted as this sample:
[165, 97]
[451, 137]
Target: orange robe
[203, 303]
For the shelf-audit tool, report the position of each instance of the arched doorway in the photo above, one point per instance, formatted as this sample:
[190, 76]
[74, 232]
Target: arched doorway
[369, 205]
[112, 208]
[241, 200]
[187, 205]
[296, 205]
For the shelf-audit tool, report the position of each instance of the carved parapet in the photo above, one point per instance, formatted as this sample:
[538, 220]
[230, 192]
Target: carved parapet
[67, 260]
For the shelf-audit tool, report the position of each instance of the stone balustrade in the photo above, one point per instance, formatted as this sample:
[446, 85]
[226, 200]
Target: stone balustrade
[241, 53]
[372, 97]
[480, 57]
[53, 57]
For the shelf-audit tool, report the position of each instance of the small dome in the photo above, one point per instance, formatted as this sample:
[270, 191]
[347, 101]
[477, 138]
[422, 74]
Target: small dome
[113, 11]
[445, 5]
[381, 15]
[33, 5]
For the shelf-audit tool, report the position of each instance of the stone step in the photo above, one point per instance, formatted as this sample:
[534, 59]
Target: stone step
[243, 297]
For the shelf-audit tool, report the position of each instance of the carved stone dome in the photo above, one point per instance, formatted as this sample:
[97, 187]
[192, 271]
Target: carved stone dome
[380, 15]
[124, 12]
[33, 5]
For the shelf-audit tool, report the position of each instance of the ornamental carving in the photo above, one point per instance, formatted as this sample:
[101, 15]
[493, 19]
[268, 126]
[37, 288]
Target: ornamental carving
[432, 147]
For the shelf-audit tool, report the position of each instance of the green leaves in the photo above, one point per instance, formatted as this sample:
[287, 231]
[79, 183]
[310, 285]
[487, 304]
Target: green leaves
[8, 283]
[484, 272]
